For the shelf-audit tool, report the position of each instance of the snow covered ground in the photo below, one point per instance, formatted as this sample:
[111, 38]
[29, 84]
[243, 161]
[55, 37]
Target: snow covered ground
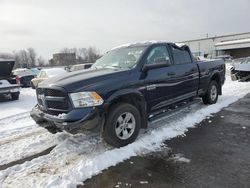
[76, 158]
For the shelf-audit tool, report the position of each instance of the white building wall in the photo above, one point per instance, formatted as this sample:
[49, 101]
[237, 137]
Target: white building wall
[207, 45]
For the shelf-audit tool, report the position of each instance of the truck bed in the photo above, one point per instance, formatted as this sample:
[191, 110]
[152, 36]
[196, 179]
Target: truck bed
[206, 68]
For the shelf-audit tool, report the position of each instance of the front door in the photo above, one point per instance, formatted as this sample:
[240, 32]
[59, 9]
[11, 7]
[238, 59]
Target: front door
[159, 83]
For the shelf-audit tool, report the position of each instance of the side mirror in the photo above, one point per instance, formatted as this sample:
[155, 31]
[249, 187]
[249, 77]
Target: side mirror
[158, 63]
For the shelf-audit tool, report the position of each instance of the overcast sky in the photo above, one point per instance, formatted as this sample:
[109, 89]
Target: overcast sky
[50, 25]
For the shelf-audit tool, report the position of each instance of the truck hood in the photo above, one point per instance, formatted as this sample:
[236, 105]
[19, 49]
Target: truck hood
[6, 67]
[76, 81]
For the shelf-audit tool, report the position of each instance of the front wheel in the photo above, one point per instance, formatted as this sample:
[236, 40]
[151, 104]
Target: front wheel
[212, 93]
[122, 126]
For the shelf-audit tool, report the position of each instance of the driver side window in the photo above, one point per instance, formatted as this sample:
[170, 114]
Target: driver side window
[158, 54]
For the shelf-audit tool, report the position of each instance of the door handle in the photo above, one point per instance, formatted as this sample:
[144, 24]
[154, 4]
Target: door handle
[171, 73]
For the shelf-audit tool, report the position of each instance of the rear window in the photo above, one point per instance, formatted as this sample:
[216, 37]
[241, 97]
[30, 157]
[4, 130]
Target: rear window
[181, 56]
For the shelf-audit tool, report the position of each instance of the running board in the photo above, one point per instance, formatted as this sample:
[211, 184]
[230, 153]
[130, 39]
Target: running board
[172, 109]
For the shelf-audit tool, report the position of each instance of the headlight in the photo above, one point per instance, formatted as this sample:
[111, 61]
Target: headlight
[86, 99]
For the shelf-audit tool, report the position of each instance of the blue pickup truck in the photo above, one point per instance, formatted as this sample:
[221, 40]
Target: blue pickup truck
[125, 88]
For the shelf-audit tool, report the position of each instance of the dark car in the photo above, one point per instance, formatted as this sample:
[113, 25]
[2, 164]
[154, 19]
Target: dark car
[125, 88]
[23, 76]
[8, 84]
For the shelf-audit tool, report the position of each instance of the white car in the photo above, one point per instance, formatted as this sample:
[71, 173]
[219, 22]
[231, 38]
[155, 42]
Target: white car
[81, 66]
[44, 74]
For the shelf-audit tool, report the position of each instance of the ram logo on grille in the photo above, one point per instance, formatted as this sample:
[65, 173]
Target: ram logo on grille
[41, 97]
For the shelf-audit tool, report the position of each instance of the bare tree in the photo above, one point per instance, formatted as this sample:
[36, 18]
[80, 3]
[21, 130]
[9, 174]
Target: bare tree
[6, 56]
[92, 54]
[41, 62]
[82, 54]
[25, 58]
[22, 58]
[32, 57]
[66, 50]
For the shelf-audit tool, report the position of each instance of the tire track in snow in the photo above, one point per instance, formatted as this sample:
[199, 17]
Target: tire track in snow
[16, 150]
[69, 151]
[15, 129]
[14, 118]
[29, 158]
[12, 128]
[17, 137]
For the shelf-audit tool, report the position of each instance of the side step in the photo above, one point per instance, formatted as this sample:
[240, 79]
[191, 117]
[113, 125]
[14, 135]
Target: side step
[172, 109]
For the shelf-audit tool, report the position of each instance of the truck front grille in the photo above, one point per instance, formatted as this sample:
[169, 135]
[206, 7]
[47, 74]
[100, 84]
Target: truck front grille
[53, 101]
[58, 105]
[54, 93]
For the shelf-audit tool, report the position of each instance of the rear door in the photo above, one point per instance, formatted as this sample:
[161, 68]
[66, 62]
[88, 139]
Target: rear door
[186, 73]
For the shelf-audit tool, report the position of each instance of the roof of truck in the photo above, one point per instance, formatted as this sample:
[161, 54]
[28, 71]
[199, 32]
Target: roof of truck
[147, 43]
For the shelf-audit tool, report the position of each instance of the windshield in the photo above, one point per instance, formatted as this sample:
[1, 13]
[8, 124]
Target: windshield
[120, 58]
[247, 61]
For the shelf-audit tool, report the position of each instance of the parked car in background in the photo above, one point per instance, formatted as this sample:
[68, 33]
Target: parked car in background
[81, 66]
[240, 69]
[126, 88]
[44, 74]
[7, 82]
[35, 71]
[23, 76]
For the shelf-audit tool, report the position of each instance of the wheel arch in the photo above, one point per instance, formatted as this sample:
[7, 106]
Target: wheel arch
[216, 77]
[130, 96]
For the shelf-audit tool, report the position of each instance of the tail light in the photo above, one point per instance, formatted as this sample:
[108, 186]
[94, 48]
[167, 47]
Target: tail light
[18, 80]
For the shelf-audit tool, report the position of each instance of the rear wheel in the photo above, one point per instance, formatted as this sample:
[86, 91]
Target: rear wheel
[15, 96]
[211, 96]
[123, 125]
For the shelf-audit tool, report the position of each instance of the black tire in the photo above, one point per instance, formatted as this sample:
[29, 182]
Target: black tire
[15, 96]
[109, 133]
[32, 85]
[210, 97]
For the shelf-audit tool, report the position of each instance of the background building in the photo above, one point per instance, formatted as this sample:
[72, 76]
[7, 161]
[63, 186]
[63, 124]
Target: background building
[60, 59]
[235, 45]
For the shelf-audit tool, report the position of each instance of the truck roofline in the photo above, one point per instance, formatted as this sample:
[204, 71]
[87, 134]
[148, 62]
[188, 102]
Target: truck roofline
[147, 44]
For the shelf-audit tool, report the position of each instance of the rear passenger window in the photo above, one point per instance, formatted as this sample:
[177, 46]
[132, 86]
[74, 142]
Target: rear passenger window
[181, 56]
